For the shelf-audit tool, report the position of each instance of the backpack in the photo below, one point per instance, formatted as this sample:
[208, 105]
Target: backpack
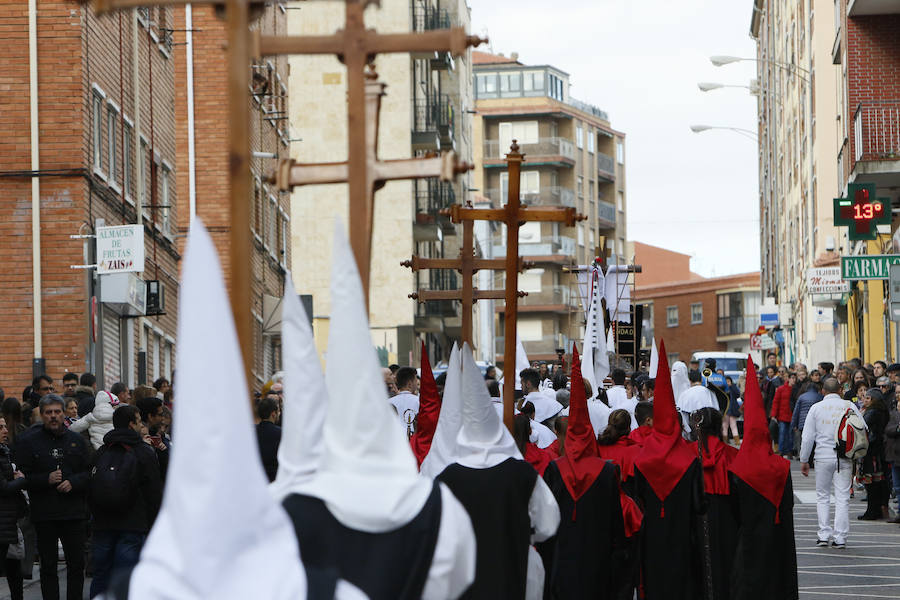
[114, 479]
[851, 439]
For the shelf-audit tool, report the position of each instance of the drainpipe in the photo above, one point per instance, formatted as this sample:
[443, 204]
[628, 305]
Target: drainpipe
[136, 110]
[189, 52]
[37, 284]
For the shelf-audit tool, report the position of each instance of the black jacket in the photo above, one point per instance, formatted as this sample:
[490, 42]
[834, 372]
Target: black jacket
[138, 517]
[892, 437]
[38, 453]
[268, 435]
[12, 501]
[85, 396]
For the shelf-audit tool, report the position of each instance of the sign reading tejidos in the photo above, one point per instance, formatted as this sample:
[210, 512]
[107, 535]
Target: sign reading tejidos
[826, 280]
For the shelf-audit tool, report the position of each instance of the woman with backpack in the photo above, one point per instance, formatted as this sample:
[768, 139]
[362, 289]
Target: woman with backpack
[870, 470]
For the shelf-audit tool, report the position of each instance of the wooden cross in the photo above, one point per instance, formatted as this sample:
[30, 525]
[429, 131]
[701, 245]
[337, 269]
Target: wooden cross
[357, 47]
[513, 215]
[467, 265]
[377, 173]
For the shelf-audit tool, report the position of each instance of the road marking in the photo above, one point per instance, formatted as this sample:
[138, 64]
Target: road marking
[847, 595]
[853, 566]
[841, 554]
[851, 575]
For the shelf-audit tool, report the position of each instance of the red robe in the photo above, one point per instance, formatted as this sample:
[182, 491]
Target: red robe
[538, 458]
[640, 434]
[716, 459]
[623, 453]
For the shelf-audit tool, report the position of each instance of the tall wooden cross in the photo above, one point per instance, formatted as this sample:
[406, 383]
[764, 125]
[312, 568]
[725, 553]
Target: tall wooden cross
[378, 172]
[467, 265]
[357, 47]
[513, 215]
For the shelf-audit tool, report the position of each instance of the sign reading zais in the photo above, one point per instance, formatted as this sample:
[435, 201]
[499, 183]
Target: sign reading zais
[868, 266]
[120, 249]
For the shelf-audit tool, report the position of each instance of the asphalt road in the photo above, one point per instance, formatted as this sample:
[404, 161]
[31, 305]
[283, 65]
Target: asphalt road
[868, 568]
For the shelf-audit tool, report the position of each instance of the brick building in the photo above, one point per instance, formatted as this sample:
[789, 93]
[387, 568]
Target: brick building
[693, 313]
[201, 111]
[89, 139]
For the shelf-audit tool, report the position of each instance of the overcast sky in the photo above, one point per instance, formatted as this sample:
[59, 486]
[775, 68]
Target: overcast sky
[641, 62]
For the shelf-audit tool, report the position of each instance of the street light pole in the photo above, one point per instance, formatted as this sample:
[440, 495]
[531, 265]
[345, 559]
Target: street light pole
[721, 61]
[739, 130]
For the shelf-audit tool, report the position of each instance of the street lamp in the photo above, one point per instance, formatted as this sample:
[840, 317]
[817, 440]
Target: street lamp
[706, 86]
[721, 61]
[739, 130]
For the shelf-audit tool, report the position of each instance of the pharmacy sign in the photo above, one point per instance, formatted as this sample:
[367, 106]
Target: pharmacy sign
[867, 266]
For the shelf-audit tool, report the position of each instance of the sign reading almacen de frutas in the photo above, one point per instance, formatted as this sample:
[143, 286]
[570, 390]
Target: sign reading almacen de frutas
[120, 249]
[826, 280]
[867, 266]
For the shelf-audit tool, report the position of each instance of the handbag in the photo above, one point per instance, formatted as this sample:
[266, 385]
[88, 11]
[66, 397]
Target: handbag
[17, 551]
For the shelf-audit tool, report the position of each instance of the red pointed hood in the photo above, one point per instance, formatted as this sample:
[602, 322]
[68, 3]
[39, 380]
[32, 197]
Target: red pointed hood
[755, 463]
[429, 410]
[665, 456]
[581, 464]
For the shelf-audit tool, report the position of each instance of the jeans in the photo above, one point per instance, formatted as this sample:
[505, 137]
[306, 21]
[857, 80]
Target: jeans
[828, 477]
[111, 551]
[895, 476]
[71, 533]
[785, 438]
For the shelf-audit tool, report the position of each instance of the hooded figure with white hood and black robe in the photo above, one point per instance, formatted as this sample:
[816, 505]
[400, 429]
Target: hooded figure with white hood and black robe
[509, 504]
[765, 561]
[442, 449]
[586, 557]
[366, 515]
[218, 529]
[668, 485]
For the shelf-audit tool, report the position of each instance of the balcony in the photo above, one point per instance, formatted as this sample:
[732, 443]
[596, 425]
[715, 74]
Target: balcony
[738, 326]
[426, 18]
[432, 196]
[545, 151]
[876, 143]
[548, 196]
[551, 298]
[431, 316]
[433, 123]
[606, 167]
[540, 349]
[550, 245]
[606, 215]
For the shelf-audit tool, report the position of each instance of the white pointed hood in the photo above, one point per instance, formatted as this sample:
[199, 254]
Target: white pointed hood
[305, 401]
[218, 525]
[654, 360]
[443, 444]
[521, 361]
[680, 381]
[368, 476]
[482, 441]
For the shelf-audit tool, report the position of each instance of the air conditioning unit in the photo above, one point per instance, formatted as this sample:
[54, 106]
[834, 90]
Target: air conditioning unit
[156, 297]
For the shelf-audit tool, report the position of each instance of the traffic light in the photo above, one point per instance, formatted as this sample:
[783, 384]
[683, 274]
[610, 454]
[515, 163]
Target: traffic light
[861, 211]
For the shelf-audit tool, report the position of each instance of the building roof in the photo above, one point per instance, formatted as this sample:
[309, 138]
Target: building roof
[692, 286]
[486, 58]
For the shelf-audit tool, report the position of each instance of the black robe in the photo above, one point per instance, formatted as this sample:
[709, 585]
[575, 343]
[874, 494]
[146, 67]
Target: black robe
[497, 500]
[369, 561]
[723, 530]
[765, 561]
[586, 557]
[671, 547]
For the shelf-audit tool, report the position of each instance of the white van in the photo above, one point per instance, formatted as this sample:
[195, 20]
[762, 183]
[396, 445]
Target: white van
[732, 363]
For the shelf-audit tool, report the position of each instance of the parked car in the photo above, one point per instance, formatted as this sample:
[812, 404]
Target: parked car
[733, 363]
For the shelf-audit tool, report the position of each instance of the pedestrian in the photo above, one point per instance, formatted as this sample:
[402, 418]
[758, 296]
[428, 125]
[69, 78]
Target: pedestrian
[85, 392]
[430, 408]
[13, 507]
[781, 412]
[71, 411]
[871, 470]
[56, 467]
[732, 413]
[69, 382]
[151, 409]
[538, 458]
[11, 411]
[98, 422]
[667, 478]
[892, 454]
[832, 473]
[125, 495]
[406, 402]
[694, 398]
[591, 529]
[614, 444]
[809, 395]
[619, 397]
[887, 390]
[510, 506]
[541, 435]
[545, 406]
[765, 560]
[643, 414]
[721, 520]
[121, 391]
[268, 435]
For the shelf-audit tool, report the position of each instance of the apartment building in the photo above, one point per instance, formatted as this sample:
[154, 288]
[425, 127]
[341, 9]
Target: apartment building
[573, 157]
[89, 141]
[797, 108]
[427, 109]
[201, 110]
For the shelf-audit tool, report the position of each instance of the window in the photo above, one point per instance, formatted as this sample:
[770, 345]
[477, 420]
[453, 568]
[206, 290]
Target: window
[620, 152]
[272, 223]
[529, 184]
[580, 231]
[591, 140]
[530, 330]
[285, 236]
[97, 133]
[112, 119]
[144, 159]
[255, 217]
[671, 316]
[154, 346]
[580, 186]
[732, 316]
[591, 195]
[524, 132]
[533, 81]
[620, 200]
[696, 313]
[164, 205]
[530, 280]
[128, 149]
[510, 83]
[579, 136]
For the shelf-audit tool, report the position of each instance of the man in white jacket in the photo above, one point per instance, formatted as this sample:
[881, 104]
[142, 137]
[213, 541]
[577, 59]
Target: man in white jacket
[819, 429]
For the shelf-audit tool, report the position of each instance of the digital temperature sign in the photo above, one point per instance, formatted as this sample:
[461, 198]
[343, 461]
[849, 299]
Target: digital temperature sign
[861, 211]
